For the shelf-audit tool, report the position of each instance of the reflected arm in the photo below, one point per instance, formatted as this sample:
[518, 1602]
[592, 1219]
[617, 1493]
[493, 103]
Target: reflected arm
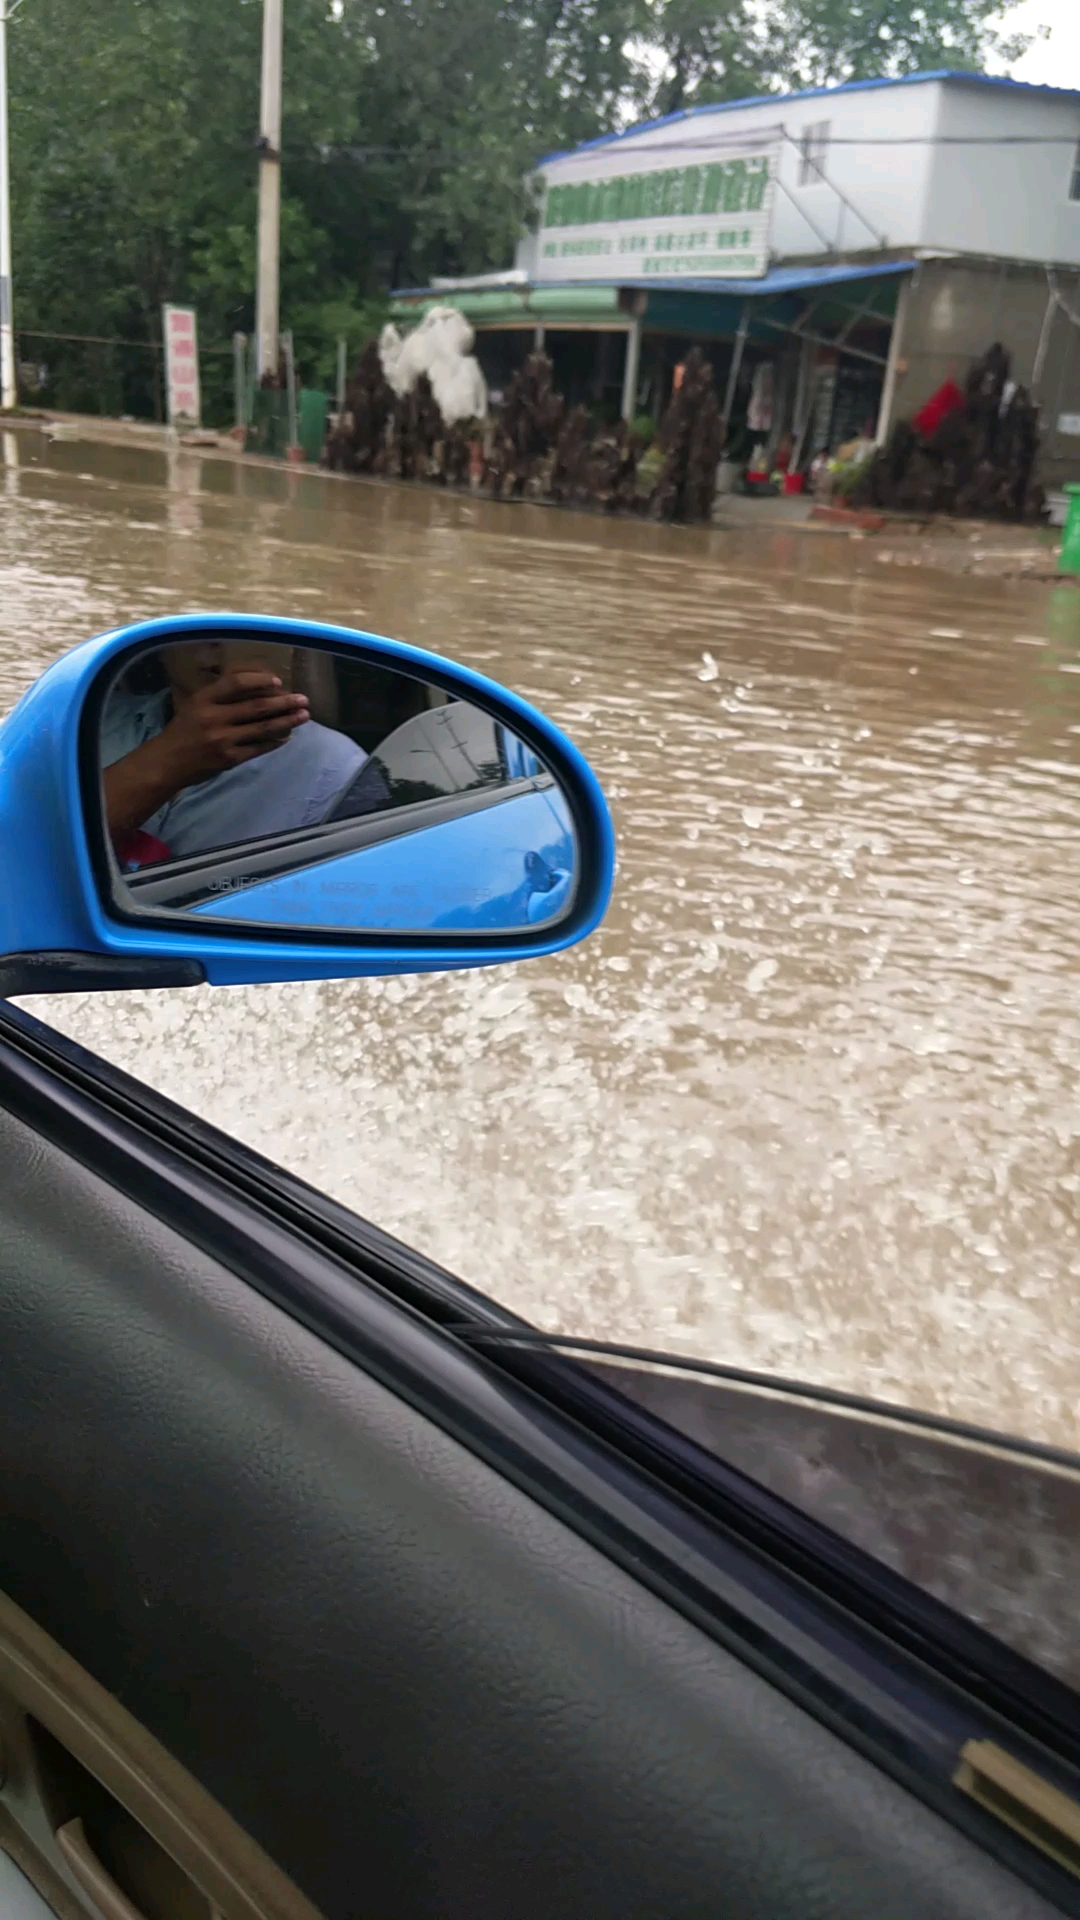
[137, 785]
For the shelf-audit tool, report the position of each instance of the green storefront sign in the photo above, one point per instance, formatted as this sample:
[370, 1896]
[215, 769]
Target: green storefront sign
[728, 186]
[706, 218]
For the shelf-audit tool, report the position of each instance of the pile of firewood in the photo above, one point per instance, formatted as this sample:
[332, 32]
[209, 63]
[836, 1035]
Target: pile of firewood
[416, 432]
[976, 461]
[358, 443]
[399, 435]
[522, 454]
[595, 466]
[690, 441]
[536, 448]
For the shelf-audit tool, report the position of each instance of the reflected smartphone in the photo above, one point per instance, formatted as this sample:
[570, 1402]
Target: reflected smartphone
[246, 655]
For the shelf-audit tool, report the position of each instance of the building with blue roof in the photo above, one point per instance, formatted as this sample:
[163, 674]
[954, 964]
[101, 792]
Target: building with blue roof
[859, 244]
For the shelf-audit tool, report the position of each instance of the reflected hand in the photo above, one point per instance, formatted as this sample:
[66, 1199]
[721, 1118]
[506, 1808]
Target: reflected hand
[235, 718]
[239, 716]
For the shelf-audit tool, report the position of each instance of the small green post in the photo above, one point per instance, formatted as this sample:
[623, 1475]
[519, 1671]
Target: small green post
[1070, 544]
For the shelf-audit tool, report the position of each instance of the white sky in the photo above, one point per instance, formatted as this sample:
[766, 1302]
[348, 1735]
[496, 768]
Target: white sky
[1054, 62]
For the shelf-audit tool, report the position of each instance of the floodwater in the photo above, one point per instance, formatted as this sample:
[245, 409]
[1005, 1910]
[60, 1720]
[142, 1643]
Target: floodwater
[809, 1099]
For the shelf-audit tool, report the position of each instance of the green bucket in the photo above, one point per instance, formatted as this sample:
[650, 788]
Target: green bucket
[311, 424]
[1070, 544]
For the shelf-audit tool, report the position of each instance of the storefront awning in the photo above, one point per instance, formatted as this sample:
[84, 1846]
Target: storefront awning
[778, 280]
[675, 303]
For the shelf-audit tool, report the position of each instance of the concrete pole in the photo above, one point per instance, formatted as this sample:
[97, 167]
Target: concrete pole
[290, 387]
[266, 296]
[8, 393]
[631, 369]
[239, 352]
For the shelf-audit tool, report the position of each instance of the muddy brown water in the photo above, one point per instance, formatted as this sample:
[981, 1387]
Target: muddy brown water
[808, 1100]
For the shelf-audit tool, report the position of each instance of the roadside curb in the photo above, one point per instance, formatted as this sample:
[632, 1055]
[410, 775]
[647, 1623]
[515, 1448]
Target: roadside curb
[863, 521]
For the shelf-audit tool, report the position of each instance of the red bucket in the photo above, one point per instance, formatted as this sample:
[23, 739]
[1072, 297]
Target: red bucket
[794, 482]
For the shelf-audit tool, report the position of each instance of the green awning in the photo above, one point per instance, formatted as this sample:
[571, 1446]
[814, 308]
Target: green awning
[507, 306]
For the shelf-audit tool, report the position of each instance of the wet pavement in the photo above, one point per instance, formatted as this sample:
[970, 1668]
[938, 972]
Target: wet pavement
[808, 1101]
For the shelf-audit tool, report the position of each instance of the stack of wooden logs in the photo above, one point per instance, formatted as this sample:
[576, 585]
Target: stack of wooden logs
[521, 458]
[400, 436]
[358, 443]
[977, 461]
[535, 447]
[691, 440]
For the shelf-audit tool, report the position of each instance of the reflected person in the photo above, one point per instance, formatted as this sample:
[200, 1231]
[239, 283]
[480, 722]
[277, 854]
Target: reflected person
[215, 755]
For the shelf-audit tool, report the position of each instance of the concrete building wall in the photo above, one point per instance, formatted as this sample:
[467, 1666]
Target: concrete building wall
[1012, 201]
[870, 194]
[955, 309]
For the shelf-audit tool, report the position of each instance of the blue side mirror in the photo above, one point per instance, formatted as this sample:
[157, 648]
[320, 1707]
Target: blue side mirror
[235, 799]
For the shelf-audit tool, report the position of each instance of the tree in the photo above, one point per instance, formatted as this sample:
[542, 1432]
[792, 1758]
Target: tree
[818, 43]
[133, 128]
[467, 95]
[696, 52]
[410, 128]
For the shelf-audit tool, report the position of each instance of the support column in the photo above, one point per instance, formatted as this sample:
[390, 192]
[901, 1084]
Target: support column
[736, 363]
[892, 365]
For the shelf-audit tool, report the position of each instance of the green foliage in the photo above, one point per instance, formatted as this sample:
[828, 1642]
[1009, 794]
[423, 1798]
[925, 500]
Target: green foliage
[846, 477]
[409, 129]
[696, 52]
[819, 42]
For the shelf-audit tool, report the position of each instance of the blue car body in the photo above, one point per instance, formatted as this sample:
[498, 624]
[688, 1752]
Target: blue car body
[510, 866]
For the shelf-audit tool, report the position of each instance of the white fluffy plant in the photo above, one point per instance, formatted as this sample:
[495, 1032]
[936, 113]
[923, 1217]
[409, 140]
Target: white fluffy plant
[441, 346]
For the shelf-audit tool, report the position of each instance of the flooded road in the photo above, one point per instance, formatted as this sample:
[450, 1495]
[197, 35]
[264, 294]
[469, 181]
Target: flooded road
[809, 1100]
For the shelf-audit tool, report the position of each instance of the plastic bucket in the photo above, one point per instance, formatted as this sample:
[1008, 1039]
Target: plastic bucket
[1070, 545]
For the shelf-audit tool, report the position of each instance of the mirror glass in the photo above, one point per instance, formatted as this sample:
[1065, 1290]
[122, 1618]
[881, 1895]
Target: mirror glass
[313, 788]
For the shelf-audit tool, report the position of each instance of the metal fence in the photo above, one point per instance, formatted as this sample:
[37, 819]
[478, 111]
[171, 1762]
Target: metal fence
[114, 377]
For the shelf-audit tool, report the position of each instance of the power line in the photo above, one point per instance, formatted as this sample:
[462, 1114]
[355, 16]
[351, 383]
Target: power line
[742, 141]
[766, 137]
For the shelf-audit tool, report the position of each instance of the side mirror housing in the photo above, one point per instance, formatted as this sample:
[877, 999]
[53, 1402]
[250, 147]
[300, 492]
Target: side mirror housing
[235, 799]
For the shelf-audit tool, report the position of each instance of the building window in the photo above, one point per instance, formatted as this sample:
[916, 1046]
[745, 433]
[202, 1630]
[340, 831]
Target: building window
[1074, 188]
[813, 148]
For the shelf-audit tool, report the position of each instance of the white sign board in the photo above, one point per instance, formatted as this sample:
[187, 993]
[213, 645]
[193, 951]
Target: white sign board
[1069, 423]
[634, 214]
[182, 366]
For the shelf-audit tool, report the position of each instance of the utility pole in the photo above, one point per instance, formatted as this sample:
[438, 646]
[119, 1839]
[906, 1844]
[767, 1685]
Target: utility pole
[266, 292]
[8, 394]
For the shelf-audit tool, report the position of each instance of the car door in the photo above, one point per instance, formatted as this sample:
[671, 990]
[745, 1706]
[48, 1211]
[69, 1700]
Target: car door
[328, 1587]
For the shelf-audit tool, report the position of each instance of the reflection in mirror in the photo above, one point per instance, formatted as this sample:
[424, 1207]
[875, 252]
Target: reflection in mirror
[303, 787]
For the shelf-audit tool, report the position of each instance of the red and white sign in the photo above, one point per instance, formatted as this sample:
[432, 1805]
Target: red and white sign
[182, 366]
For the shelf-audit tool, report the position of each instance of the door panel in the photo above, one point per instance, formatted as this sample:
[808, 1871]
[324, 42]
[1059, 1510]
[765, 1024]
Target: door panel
[99, 1816]
[418, 1689]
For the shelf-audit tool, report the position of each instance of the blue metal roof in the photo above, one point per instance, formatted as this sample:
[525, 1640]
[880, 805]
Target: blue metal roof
[777, 280]
[807, 93]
